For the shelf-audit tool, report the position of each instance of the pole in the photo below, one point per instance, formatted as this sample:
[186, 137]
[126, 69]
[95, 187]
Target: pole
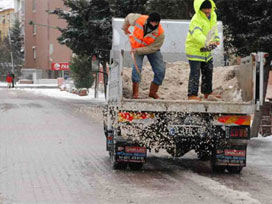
[96, 85]
[261, 58]
[11, 54]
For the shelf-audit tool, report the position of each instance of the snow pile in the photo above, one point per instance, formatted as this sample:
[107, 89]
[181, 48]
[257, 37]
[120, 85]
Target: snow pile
[175, 84]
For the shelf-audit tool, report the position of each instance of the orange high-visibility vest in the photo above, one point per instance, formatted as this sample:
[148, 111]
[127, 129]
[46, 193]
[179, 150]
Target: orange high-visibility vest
[138, 39]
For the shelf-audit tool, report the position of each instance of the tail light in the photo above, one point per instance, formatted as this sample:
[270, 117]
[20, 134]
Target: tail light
[239, 132]
[130, 116]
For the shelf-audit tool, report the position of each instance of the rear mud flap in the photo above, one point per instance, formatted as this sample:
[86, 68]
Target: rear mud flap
[231, 155]
[129, 153]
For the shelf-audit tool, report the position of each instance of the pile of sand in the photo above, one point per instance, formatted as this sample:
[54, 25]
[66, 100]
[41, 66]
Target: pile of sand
[175, 84]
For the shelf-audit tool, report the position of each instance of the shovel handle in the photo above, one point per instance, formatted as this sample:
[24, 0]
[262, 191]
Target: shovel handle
[135, 64]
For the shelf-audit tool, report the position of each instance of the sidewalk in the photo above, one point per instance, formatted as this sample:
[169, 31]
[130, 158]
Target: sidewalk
[39, 86]
[53, 91]
[57, 93]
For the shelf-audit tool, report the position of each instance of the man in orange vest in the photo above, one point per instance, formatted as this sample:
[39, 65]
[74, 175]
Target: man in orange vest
[146, 40]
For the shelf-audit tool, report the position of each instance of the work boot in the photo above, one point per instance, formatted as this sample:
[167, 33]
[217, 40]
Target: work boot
[194, 98]
[135, 94]
[153, 91]
[212, 95]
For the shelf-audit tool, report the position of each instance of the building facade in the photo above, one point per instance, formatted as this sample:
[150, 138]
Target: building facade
[42, 48]
[7, 18]
[19, 9]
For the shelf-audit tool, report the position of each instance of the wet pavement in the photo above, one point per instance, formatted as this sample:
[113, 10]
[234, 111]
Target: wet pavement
[52, 151]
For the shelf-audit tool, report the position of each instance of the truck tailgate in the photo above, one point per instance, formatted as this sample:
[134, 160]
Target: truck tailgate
[188, 106]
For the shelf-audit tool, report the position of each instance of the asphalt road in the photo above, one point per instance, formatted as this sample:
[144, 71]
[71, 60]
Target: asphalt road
[52, 151]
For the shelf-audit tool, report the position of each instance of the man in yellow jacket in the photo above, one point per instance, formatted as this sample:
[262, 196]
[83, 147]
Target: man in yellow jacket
[146, 40]
[201, 39]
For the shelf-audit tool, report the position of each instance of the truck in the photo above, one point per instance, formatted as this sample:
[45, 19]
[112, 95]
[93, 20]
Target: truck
[218, 131]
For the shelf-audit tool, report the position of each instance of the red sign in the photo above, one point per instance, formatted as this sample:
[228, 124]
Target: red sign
[136, 150]
[60, 66]
[235, 153]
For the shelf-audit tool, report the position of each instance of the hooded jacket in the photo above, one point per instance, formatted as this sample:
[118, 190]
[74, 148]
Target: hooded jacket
[131, 20]
[199, 28]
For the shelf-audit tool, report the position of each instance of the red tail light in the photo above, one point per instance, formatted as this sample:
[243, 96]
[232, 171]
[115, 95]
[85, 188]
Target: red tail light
[239, 132]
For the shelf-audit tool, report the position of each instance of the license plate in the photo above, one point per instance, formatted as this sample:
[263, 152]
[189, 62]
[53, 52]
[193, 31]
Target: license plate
[185, 130]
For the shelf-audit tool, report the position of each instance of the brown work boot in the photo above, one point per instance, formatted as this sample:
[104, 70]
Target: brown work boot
[194, 98]
[212, 95]
[153, 91]
[135, 90]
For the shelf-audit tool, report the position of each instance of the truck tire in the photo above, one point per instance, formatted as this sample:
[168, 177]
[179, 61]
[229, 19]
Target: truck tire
[135, 166]
[234, 169]
[117, 165]
[105, 129]
[203, 156]
[218, 169]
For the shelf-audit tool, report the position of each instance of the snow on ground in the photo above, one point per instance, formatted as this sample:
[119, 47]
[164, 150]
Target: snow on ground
[4, 84]
[265, 139]
[259, 155]
[225, 193]
[56, 93]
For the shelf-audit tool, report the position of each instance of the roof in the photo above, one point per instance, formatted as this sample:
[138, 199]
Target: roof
[7, 9]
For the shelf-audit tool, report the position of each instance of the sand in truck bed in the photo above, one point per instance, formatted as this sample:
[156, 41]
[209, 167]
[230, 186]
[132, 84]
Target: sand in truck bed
[175, 84]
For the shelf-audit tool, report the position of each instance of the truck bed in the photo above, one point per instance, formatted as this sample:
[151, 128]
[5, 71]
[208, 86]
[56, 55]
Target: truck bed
[187, 106]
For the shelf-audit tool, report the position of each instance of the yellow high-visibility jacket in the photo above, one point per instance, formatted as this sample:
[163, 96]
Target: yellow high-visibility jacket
[199, 28]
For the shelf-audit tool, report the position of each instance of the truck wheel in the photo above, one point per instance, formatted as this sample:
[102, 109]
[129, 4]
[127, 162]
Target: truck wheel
[135, 166]
[203, 156]
[117, 165]
[234, 169]
[218, 169]
[105, 129]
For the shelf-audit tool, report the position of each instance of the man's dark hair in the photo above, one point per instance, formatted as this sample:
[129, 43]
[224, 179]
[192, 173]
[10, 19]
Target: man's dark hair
[206, 5]
[154, 17]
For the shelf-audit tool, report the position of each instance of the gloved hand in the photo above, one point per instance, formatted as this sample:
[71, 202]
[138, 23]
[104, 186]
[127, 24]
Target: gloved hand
[208, 48]
[127, 32]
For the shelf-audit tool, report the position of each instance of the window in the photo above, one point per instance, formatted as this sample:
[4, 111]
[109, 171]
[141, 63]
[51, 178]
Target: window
[34, 5]
[34, 52]
[34, 29]
[3, 19]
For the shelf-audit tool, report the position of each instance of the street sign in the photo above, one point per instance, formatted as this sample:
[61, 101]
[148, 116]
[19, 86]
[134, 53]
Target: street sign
[60, 66]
